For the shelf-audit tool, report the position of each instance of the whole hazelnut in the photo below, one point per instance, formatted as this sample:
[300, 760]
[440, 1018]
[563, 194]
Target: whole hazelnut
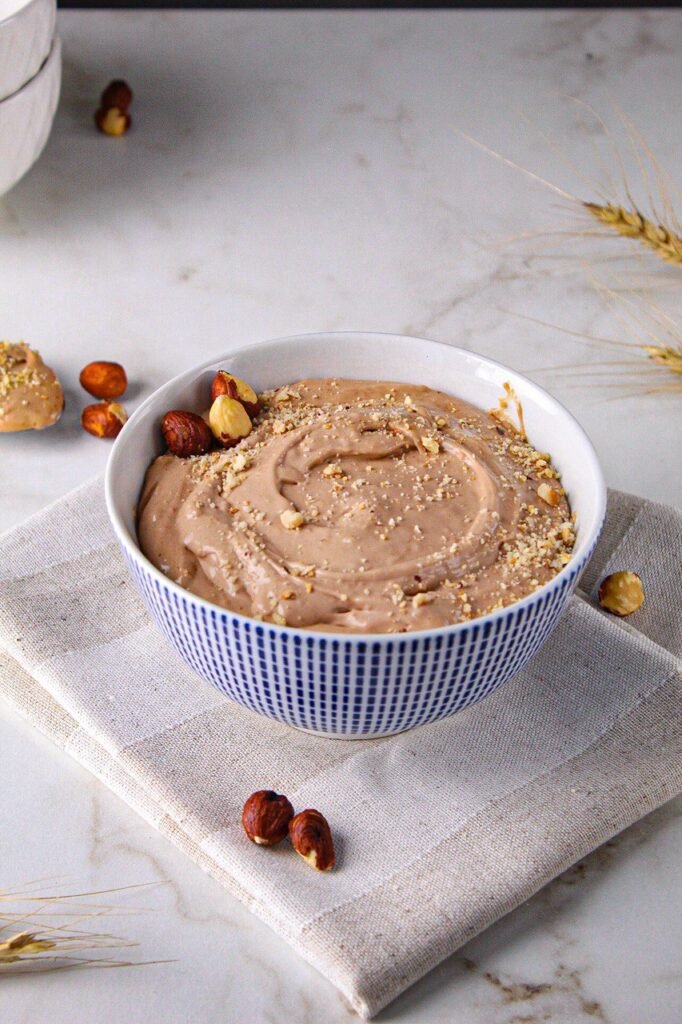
[104, 419]
[103, 379]
[266, 816]
[312, 838]
[621, 593]
[185, 433]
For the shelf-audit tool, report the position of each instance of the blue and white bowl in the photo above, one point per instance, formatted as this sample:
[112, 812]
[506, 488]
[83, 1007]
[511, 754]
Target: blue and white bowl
[356, 685]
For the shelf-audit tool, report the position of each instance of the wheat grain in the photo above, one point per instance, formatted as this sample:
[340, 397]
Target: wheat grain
[22, 945]
[667, 356]
[633, 224]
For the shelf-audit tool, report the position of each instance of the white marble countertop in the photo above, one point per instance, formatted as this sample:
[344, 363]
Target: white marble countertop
[302, 171]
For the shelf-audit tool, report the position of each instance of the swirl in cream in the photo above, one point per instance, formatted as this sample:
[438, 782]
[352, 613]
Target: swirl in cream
[363, 506]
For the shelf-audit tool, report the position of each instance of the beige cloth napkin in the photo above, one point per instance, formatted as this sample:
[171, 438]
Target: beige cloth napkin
[440, 831]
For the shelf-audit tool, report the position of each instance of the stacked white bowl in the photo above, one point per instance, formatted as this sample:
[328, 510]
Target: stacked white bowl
[30, 77]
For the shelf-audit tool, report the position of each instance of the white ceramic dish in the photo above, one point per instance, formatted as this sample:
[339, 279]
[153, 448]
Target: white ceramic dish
[26, 119]
[358, 684]
[26, 34]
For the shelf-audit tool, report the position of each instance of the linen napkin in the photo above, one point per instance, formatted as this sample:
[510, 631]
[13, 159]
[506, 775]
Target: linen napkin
[439, 831]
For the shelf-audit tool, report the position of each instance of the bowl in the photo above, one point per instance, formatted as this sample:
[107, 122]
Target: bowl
[356, 685]
[26, 33]
[26, 119]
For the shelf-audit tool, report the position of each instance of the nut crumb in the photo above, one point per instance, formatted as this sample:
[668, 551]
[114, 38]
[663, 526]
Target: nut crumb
[291, 519]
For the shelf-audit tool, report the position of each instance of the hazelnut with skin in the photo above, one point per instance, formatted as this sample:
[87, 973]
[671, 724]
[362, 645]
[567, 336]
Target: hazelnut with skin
[103, 379]
[621, 593]
[225, 383]
[104, 419]
[185, 433]
[117, 94]
[312, 838]
[266, 816]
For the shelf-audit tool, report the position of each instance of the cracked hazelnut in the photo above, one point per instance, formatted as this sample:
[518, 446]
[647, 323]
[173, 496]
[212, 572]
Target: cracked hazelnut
[311, 837]
[103, 379]
[621, 593]
[228, 420]
[266, 816]
[104, 419]
[112, 120]
[225, 383]
[185, 433]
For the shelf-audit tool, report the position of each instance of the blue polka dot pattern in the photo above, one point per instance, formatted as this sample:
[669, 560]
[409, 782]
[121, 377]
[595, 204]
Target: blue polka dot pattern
[348, 685]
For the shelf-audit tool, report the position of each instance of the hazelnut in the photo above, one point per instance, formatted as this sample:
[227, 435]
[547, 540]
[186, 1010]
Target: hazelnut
[291, 519]
[104, 380]
[311, 837]
[621, 593]
[104, 419]
[549, 495]
[112, 120]
[266, 816]
[229, 420]
[185, 433]
[117, 94]
[225, 383]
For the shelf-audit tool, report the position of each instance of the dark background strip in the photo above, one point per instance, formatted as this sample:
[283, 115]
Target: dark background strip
[355, 4]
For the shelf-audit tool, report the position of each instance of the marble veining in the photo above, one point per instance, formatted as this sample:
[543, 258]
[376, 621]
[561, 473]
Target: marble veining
[303, 171]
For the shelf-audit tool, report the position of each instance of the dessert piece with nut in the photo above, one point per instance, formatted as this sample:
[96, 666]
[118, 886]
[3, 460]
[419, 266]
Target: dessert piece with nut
[225, 383]
[103, 379]
[266, 816]
[621, 593]
[229, 421]
[185, 433]
[104, 419]
[311, 837]
[31, 397]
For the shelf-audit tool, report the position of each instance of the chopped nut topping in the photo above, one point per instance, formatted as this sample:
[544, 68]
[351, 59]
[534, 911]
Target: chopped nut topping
[291, 519]
[431, 444]
[549, 495]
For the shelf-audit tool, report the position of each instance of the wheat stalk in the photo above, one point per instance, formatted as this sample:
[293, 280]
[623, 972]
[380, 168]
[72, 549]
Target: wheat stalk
[660, 339]
[42, 943]
[633, 224]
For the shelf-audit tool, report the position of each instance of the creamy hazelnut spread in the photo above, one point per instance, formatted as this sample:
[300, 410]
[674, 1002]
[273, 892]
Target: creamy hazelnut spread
[360, 506]
[31, 397]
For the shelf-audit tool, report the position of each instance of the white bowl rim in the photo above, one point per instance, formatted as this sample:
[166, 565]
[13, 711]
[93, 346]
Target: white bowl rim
[20, 11]
[131, 546]
[53, 55]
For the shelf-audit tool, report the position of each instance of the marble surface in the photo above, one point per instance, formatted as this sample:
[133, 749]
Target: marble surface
[304, 171]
